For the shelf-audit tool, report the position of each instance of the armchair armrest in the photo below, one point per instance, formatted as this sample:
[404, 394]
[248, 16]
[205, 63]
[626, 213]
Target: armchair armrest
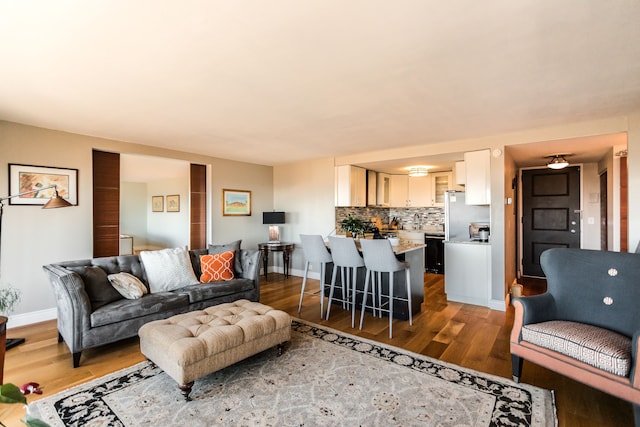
[72, 301]
[532, 309]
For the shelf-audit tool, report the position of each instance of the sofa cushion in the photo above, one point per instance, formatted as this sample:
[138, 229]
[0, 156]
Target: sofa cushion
[97, 285]
[598, 347]
[233, 246]
[206, 291]
[128, 285]
[217, 267]
[168, 269]
[127, 309]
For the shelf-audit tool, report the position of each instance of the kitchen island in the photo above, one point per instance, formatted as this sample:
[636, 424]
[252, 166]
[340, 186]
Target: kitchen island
[413, 253]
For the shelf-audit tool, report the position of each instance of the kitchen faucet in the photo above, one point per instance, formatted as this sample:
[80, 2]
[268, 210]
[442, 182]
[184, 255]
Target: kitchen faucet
[416, 221]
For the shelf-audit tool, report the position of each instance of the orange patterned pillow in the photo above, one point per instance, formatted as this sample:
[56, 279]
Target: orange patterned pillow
[217, 267]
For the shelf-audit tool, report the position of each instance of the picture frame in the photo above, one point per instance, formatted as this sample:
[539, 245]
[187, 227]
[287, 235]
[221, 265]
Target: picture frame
[173, 203]
[157, 203]
[236, 202]
[26, 178]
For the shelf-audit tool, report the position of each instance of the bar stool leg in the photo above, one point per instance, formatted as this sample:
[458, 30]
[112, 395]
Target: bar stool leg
[304, 285]
[391, 304]
[331, 288]
[364, 296]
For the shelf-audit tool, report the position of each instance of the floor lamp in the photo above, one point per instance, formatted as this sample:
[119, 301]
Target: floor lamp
[55, 202]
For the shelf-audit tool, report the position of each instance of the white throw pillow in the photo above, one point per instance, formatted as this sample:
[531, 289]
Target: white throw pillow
[128, 285]
[168, 269]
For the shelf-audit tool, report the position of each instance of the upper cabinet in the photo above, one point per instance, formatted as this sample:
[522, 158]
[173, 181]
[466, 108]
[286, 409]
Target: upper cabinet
[420, 191]
[351, 186]
[460, 176]
[383, 184]
[441, 182]
[372, 188]
[399, 194]
[477, 177]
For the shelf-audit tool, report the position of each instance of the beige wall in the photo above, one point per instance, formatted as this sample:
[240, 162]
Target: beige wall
[32, 237]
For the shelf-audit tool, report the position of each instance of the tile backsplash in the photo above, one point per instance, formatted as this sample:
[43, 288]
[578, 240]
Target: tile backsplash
[429, 217]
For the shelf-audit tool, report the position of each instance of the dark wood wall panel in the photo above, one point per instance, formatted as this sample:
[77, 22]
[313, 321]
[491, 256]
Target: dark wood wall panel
[624, 205]
[198, 208]
[106, 203]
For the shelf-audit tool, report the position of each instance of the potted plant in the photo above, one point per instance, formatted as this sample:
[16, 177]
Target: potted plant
[10, 393]
[352, 225]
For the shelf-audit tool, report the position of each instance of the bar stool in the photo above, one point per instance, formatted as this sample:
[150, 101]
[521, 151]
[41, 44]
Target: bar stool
[346, 257]
[379, 258]
[314, 251]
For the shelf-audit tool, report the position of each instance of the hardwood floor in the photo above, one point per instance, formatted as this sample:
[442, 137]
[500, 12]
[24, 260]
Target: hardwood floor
[470, 336]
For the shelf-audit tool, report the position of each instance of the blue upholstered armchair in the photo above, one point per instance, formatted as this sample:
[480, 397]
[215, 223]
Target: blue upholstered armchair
[587, 325]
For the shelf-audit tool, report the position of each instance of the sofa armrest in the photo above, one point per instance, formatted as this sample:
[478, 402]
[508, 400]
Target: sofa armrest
[72, 301]
[532, 309]
[251, 265]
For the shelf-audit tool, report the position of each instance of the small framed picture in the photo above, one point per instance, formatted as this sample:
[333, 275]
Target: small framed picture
[173, 203]
[236, 202]
[35, 184]
[157, 203]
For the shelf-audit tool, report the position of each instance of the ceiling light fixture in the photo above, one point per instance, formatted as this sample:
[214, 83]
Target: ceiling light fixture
[418, 171]
[557, 161]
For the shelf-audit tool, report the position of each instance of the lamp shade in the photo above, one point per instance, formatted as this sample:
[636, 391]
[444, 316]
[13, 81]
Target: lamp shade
[273, 217]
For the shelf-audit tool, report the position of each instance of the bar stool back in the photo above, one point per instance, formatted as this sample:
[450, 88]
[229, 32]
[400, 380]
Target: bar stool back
[347, 258]
[314, 251]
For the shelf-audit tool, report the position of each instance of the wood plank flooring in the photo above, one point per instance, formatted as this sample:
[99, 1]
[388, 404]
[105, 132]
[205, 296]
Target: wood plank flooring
[470, 336]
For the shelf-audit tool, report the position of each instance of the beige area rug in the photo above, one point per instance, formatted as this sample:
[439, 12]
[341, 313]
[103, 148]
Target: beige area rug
[324, 378]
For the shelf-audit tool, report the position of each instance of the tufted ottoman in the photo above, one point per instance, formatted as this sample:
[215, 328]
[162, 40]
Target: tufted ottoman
[191, 345]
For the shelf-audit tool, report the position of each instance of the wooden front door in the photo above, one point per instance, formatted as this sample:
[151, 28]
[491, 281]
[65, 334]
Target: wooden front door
[550, 214]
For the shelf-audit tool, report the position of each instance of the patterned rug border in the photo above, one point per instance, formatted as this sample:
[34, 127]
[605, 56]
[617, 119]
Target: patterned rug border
[514, 403]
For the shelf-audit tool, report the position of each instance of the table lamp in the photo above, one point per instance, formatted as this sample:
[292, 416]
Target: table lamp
[273, 218]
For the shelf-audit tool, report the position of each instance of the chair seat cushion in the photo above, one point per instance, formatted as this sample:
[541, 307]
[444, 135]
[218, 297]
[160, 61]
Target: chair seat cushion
[598, 347]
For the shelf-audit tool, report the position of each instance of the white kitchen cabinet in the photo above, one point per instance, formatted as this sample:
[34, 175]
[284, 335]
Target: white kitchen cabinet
[399, 191]
[460, 176]
[420, 191]
[372, 188]
[383, 184]
[441, 182]
[467, 272]
[478, 177]
[351, 186]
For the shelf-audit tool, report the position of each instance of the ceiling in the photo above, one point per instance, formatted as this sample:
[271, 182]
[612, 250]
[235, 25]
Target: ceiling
[286, 80]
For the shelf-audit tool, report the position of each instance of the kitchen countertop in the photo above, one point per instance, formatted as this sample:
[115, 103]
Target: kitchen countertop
[402, 248]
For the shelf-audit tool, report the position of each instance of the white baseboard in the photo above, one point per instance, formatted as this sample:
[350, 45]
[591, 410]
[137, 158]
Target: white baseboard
[25, 319]
[496, 304]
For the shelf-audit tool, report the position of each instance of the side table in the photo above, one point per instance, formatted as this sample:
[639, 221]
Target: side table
[284, 247]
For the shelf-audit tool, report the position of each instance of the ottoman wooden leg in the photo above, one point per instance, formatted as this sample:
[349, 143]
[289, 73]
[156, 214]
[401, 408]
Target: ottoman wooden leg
[280, 348]
[186, 389]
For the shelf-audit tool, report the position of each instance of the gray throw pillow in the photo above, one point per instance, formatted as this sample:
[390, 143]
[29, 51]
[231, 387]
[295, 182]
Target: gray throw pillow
[233, 246]
[97, 285]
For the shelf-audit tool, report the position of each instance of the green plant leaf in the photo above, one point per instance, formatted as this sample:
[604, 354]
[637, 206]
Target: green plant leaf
[10, 393]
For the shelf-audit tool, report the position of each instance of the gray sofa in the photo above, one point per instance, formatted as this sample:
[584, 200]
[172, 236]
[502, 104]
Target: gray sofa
[90, 314]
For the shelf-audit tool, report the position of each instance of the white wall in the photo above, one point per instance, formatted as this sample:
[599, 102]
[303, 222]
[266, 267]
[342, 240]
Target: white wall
[305, 191]
[133, 211]
[32, 237]
[590, 206]
[169, 229]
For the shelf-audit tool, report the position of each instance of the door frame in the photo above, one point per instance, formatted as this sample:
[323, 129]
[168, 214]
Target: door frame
[519, 245]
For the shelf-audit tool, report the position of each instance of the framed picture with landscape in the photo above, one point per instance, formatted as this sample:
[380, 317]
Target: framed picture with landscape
[29, 179]
[236, 202]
